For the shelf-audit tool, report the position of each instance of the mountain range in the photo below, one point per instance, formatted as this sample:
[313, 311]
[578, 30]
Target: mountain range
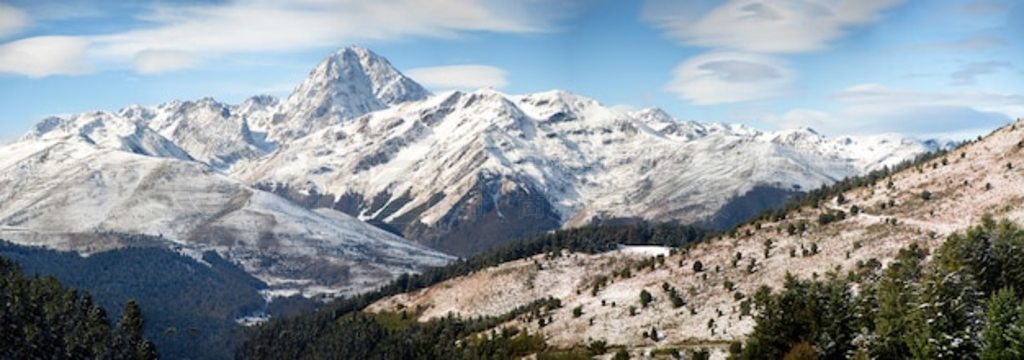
[288, 188]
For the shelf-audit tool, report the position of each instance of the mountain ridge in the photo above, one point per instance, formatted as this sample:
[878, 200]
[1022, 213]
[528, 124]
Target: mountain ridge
[464, 171]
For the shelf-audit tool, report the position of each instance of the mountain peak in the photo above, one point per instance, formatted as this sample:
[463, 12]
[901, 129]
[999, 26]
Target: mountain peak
[347, 84]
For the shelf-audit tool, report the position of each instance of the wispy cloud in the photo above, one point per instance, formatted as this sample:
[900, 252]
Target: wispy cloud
[160, 61]
[875, 108]
[44, 55]
[728, 77]
[746, 37]
[973, 42]
[12, 20]
[788, 26]
[984, 7]
[184, 35]
[968, 72]
[459, 76]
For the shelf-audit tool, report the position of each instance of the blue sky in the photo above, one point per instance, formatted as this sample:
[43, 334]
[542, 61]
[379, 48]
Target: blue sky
[924, 68]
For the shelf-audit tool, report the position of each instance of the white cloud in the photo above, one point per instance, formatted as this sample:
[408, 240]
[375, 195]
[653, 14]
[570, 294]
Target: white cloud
[784, 26]
[459, 76]
[178, 36]
[725, 77]
[160, 61]
[44, 55]
[262, 26]
[874, 108]
[12, 20]
[876, 97]
[968, 72]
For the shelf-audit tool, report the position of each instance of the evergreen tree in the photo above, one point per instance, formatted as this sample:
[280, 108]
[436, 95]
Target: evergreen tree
[129, 334]
[895, 298]
[946, 318]
[1000, 333]
[39, 319]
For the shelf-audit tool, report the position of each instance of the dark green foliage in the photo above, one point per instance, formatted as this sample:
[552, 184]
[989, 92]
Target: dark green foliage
[698, 266]
[599, 282]
[813, 311]
[1003, 338]
[926, 195]
[894, 300]
[645, 298]
[911, 310]
[622, 354]
[198, 303]
[993, 252]
[801, 351]
[673, 295]
[577, 311]
[701, 354]
[829, 217]
[358, 335]
[39, 318]
[945, 317]
[128, 338]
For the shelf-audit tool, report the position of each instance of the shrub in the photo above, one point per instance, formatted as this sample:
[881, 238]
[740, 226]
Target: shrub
[645, 298]
[622, 354]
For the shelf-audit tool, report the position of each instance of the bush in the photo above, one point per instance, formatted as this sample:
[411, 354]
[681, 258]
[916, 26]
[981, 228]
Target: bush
[622, 354]
[698, 266]
[645, 298]
[577, 311]
[802, 351]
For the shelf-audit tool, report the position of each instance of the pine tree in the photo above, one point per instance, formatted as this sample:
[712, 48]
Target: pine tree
[946, 318]
[895, 296]
[129, 334]
[998, 336]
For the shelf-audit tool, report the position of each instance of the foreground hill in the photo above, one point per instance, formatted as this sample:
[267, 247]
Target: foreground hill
[864, 227]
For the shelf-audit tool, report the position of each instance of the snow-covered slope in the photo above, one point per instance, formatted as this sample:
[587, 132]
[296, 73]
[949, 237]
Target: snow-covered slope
[212, 132]
[68, 194]
[456, 169]
[106, 130]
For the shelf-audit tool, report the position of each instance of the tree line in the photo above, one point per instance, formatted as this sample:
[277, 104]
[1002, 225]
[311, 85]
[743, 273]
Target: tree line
[299, 336]
[966, 303]
[40, 318]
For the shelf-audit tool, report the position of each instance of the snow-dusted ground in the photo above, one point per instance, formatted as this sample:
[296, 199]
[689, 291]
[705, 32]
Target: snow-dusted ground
[649, 251]
[67, 193]
[959, 200]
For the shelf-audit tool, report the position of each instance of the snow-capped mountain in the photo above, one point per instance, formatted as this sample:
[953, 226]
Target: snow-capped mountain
[349, 83]
[107, 130]
[83, 192]
[463, 171]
